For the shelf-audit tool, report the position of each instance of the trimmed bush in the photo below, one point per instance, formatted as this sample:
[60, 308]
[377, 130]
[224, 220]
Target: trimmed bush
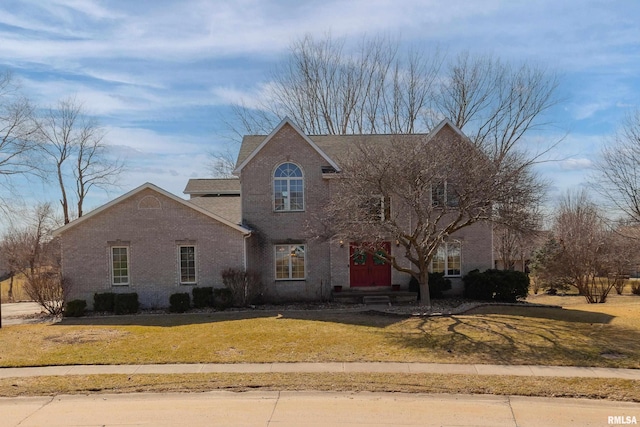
[246, 287]
[437, 285]
[179, 303]
[496, 285]
[202, 297]
[126, 303]
[103, 302]
[75, 308]
[222, 298]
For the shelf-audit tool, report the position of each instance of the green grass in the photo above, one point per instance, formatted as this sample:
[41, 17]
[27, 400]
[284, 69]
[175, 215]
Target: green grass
[582, 335]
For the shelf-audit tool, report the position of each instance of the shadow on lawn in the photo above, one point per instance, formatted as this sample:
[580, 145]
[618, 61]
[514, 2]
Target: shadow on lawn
[514, 335]
[361, 318]
[551, 313]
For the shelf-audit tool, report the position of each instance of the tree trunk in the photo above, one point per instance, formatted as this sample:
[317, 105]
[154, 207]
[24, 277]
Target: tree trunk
[425, 297]
[63, 201]
[10, 291]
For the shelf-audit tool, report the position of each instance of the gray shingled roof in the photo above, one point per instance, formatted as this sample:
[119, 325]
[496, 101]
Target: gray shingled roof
[213, 186]
[335, 146]
[228, 207]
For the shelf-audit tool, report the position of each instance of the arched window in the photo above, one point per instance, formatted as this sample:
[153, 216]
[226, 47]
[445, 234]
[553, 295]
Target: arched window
[288, 188]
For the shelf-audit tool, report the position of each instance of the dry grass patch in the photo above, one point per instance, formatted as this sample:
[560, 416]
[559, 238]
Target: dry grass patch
[19, 294]
[612, 389]
[583, 335]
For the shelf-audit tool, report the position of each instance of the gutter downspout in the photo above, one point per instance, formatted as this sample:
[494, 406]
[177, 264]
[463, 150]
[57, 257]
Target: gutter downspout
[244, 250]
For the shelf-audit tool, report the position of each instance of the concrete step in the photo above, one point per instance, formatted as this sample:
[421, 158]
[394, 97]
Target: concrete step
[376, 299]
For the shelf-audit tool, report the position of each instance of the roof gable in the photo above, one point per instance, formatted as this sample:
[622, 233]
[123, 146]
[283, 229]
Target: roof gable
[162, 192]
[446, 123]
[337, 147]
[285, 121]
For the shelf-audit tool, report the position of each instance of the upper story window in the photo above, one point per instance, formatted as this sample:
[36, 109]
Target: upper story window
[444, 194]
[375, 209]
[288, 188]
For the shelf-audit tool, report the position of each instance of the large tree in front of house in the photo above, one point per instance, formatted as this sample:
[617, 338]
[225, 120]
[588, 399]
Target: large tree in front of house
[327, 87]
[435, 186]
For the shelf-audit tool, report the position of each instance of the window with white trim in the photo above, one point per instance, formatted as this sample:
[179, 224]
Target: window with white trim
[448, 259]
[187, 261]
[444, 194]
[288, 188]
[120, 265]
[290, 262]
[375, 208]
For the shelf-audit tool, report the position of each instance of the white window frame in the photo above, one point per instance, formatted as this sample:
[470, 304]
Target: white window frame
[290, 249]
[113, 267]
[445, 199]
[286, 194]
[446, 247]
[195, 265]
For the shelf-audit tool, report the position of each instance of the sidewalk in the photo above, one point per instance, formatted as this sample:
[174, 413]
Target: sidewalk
[310, 409]
[335, 367]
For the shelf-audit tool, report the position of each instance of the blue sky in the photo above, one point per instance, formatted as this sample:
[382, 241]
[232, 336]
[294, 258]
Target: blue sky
[161, 75]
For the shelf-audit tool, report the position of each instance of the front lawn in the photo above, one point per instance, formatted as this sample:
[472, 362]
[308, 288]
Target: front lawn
[606, 335]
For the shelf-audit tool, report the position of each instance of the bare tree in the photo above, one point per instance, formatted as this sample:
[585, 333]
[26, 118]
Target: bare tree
[496, 104]
[617, 176]
[222, 163]
[583, 235]
[33, 254]
[326, 89]
[16, 135]
[75, 145]
[621, 257]
[436, 186]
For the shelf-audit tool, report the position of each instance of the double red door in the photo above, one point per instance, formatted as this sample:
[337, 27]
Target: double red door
[367, 269]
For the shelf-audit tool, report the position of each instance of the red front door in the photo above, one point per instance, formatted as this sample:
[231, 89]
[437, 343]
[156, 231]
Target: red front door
[366, 269]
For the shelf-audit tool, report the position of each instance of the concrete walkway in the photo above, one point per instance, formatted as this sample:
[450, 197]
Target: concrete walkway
[347, 367]
[310, 409]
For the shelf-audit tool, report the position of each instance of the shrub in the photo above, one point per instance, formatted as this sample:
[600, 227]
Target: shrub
[437, 285]
[48, 288]
[126, 303]
[222, 298]
[103, 302]
[246, 287]
[179, 303]
[635, 288]
[202, 297]
[75, 308]
[496, 285]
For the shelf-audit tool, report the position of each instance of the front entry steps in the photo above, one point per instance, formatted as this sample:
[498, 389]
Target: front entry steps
[379, 295]
[376, 300]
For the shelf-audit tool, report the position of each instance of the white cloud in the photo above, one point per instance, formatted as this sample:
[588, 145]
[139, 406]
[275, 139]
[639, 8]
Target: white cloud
[576, 164]
[156, 75]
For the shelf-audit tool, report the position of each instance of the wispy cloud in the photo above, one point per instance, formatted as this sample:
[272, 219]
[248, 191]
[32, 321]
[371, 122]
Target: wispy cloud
[158, 74]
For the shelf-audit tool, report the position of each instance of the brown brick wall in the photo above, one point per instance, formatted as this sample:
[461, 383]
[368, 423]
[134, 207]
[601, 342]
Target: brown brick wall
[152, 224]
[327, 263]
[271, 228]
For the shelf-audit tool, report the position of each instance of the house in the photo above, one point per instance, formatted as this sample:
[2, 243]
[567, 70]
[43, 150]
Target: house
[154, 243]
